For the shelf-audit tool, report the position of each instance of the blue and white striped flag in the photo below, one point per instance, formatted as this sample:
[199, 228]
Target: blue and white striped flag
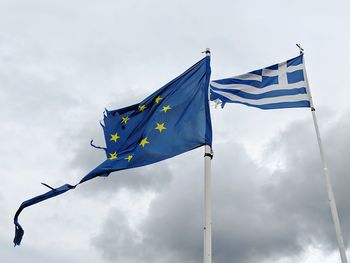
[281, 85]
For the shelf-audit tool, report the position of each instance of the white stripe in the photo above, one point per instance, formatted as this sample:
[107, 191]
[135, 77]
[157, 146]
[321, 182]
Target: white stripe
[248, 76]
[282, 69]
[295, 67]
[291, 98]
[253, 90]
[282, 75]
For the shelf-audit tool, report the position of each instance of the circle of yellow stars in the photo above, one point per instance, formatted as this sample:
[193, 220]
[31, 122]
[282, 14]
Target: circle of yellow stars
[144, 141]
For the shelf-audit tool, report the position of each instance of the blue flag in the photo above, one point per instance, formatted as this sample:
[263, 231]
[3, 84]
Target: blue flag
[171, 121]
[278, 86]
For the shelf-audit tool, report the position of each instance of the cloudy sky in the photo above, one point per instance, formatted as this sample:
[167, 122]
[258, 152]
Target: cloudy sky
[63, 62]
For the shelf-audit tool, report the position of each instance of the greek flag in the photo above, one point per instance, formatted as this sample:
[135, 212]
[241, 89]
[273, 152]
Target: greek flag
[278, 86]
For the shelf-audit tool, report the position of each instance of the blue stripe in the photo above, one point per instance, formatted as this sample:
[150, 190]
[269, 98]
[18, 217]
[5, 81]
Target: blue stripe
[269, 94]
[279, 105]
[256, 72]
[273, 67]
[267, 81]
[295, 61]
[254, 83]
[295, 76]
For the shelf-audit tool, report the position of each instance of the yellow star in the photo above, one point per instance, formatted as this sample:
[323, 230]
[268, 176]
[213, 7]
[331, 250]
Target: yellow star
[142, 107]
[158, 99]
[166, 108]
[113, 156]
[129, 158]
[125, 119]
[160, 127]
[114, 137]
[144, 141]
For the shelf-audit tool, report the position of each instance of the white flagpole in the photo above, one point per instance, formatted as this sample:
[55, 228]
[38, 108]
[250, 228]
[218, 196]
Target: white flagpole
[330, 193]
[207, 204]
[208, 155]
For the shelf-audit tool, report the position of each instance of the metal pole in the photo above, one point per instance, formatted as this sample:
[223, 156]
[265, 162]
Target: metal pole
[330, 193]
[208, 155]
[207, 257]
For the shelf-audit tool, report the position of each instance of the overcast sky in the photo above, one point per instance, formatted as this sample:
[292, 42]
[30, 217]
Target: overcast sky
[63, 62]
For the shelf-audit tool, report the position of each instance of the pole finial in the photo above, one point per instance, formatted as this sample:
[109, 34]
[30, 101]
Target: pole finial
[301, 50]
[206, 51]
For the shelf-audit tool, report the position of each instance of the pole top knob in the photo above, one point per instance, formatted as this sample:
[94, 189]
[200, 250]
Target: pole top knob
[207, 51]
[301, 50]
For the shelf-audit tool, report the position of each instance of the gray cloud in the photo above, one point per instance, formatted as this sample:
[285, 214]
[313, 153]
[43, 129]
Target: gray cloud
[62, 63]
[253, 219]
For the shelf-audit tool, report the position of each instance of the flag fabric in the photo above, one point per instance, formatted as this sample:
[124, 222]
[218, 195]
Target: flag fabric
[281, 85]
[171, 121]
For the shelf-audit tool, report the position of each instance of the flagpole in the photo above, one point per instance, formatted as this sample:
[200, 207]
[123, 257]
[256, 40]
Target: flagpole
[330, 192]
[207, 257]
[208, 155]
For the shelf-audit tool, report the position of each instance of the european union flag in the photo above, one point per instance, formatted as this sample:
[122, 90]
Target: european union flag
[171, 121]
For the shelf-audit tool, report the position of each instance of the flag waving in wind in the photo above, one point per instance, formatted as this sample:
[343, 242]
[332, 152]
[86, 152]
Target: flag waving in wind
[171, 121]
[281, 85]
